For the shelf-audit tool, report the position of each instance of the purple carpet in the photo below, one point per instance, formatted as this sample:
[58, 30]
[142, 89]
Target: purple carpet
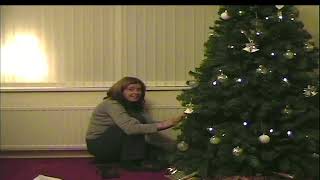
[64, 168]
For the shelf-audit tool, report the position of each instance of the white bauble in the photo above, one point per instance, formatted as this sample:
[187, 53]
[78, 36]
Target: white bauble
[225, 15]
[288, 54]
[264, 139]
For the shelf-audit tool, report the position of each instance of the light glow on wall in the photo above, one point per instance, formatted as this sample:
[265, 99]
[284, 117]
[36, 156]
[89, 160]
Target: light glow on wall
[23, 60]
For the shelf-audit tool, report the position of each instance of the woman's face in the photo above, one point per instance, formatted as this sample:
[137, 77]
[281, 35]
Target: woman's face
[133, 92]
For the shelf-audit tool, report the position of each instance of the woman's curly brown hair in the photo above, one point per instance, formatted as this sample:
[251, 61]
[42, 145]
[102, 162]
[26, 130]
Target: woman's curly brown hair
[116, 91]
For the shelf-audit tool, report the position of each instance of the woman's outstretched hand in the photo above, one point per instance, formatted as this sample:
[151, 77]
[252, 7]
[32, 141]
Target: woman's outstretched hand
[170, 122]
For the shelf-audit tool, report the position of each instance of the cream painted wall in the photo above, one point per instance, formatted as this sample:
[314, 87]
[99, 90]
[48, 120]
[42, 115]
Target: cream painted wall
[309, 15]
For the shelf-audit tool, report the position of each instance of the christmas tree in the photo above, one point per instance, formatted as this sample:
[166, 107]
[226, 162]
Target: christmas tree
[253, 102]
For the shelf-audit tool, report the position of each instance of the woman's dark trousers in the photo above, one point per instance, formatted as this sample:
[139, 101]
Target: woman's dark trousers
[114, 145]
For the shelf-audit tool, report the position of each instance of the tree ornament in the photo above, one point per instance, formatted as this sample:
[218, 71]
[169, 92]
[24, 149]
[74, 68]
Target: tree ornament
[315, 155]
[237, 151]
[241, 81]
[310, 91]
[175, 174]
[284, 175]
[280, 17]
[258, 33]
[251, 47]
[264, 139]
[170, 171]
[225, 15]
[182, 146]
[246, 123]
[308, 47]
[289, 133]
[288, 54]
[215, 140]
[211, 130]
[214, 83]
[222, 77]
[189, 109]
[285, 80]
[279, 6]
[287, 110]
[241, 13]
[262, 70]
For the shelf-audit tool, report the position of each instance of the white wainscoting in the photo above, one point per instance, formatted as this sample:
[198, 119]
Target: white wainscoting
[56, 128]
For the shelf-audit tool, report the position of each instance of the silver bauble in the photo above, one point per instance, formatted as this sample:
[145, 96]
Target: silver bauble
[315, 155]
[215, 140]
[308, 47]
[288, 54]
[262, 70]
[182, 146]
